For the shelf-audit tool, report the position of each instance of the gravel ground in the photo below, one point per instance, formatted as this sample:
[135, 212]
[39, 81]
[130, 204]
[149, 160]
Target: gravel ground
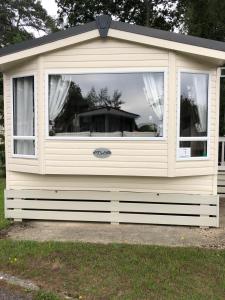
[8, 292]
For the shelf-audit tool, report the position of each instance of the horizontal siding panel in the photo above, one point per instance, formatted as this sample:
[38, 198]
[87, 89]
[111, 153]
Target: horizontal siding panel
[193, 180]
[106, 57]
[105, 163]
[113, 158]
[129, 145]
[21, 161]
[106, 64]
[23, 168]
[124, 152]
[113, 49]
[189, 185]
[106, 171]
[195, 164]
[195, 171]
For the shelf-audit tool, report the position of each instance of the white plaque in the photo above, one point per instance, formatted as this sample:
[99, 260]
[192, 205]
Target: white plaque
[184, 152]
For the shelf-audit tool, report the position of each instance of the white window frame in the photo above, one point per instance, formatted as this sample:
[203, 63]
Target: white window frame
[14, 137]
[164, 70]
[190, 139]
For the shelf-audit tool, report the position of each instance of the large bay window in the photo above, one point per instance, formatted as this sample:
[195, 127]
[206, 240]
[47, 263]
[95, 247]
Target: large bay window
[193, 115]
[106, 105]
[23, 116]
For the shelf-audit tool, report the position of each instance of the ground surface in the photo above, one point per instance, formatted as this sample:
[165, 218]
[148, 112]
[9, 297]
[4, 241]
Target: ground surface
[110, 270]
[131, 234]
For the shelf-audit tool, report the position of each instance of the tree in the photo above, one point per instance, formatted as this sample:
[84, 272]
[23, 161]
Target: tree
[203, 18]
[153, 13]
[103, 99]
[20, 18]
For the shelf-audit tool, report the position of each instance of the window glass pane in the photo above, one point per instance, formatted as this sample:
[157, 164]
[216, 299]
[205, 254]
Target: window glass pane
[222, 72]
[25, 147]
[23, 106]
[112, 105]
[193, 105]
[193, 149]
[222, 107]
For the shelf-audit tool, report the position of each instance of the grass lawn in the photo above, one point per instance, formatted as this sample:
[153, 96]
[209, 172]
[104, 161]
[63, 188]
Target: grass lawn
[116, 271]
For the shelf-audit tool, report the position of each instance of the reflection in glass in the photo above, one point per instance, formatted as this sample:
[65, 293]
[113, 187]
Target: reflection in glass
[124, 104]
[23, 115]
[193, 105]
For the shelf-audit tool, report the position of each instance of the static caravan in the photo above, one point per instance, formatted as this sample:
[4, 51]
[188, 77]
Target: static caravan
[112, 122]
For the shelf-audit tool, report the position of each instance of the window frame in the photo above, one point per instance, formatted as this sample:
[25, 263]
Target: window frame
[30, 138]
[78, 71]
[187, 139]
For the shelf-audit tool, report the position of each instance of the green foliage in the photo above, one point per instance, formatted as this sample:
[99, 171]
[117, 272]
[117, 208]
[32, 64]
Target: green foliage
[203, 18]
[153, 13]
[42, 295]
[19, 17]
[103, 99]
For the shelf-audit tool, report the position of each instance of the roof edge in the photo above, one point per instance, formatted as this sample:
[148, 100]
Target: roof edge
[52, 37]
[169, 36]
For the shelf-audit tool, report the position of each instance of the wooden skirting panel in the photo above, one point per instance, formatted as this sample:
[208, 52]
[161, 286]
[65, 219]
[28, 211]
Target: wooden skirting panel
[113, 207]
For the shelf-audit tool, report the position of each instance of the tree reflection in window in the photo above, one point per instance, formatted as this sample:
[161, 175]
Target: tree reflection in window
[103, 111]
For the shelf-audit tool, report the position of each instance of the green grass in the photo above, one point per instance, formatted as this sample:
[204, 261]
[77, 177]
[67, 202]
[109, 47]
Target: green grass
[116, 271]
[3, 222]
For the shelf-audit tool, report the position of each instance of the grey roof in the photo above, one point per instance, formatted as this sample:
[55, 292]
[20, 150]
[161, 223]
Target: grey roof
[109, 111]
[103, 23]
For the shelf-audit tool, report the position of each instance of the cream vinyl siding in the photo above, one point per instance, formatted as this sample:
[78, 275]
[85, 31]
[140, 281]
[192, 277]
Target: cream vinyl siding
[132, 158]
[183, 185]
[61, 159]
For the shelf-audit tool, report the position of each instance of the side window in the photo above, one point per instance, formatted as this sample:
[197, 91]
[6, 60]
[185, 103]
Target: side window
[23, 116]
[193, 116]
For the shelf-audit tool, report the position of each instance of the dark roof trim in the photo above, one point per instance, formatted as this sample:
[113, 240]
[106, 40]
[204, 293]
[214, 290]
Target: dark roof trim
[53, 37]
[169, 36]
[103, 23]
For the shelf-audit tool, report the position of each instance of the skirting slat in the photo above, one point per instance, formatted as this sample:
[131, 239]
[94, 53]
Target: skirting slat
[114, 207]
[122, 196]
[221, 189]
[106, 206]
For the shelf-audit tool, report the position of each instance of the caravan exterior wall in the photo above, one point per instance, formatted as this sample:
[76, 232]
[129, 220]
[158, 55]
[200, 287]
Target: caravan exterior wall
[137, 165]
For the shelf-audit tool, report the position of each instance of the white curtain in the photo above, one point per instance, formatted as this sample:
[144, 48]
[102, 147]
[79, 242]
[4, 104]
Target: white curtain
[153, 90]
[58, 91]
[200, 84]
[24, 114]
